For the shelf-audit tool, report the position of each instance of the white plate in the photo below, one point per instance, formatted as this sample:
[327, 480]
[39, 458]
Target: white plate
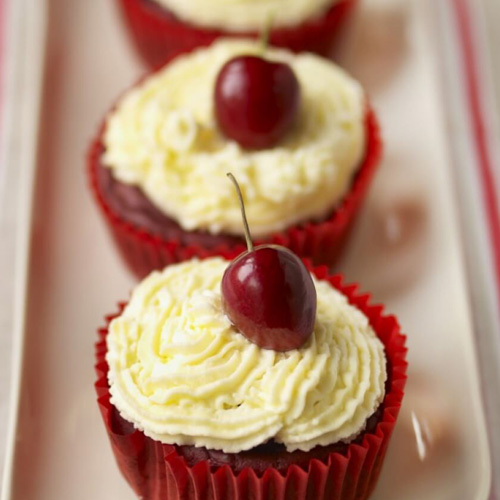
[406, 250]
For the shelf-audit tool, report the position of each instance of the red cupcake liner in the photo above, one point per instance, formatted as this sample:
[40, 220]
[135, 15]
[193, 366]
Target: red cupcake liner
[322, 242]
[157, 33]
[157, 471]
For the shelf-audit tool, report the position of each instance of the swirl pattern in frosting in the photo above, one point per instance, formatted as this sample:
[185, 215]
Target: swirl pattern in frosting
[182, 373]
[246, 15]
[163, 138]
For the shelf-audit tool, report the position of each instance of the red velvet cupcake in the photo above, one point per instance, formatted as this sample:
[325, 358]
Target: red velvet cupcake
[158, 164]
[160, 28]
[194, 409]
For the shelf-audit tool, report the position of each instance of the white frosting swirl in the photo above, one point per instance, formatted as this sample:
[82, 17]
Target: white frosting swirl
[182, 373]
[246, 15]
[163, 137]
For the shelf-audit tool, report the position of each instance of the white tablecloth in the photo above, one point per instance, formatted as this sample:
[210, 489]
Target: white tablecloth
[8, 197]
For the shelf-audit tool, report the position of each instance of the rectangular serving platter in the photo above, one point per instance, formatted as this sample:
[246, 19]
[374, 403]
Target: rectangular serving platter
[425, 245]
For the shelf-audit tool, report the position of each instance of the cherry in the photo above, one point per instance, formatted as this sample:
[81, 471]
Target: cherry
[269, 295]
[256, 101]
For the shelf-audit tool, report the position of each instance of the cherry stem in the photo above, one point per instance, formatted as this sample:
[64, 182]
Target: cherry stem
[248, 237]
[266, 33]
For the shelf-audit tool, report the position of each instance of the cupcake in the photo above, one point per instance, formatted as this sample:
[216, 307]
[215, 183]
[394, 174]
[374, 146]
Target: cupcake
[161, 27]
[158, 164]
[199, 403]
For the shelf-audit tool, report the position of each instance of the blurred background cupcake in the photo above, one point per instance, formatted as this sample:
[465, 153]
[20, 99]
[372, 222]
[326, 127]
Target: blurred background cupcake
[304, 156]
[160, 27]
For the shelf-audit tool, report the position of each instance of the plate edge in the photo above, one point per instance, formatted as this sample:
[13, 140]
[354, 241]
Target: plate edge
[463, 54]
[24, 73]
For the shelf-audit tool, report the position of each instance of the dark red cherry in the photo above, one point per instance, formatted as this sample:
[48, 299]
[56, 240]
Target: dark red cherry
[269, 295]
[256, 101]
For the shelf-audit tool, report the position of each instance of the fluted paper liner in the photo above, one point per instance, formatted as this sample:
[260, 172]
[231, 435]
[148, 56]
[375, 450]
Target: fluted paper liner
[158, 472]
[322, 242]
[157, 33]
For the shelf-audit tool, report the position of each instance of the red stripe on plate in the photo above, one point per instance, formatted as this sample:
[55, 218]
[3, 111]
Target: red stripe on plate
[491, 202]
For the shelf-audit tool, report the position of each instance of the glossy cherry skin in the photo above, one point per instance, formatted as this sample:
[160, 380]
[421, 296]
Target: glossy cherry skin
[269, 295]
[256, 101]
